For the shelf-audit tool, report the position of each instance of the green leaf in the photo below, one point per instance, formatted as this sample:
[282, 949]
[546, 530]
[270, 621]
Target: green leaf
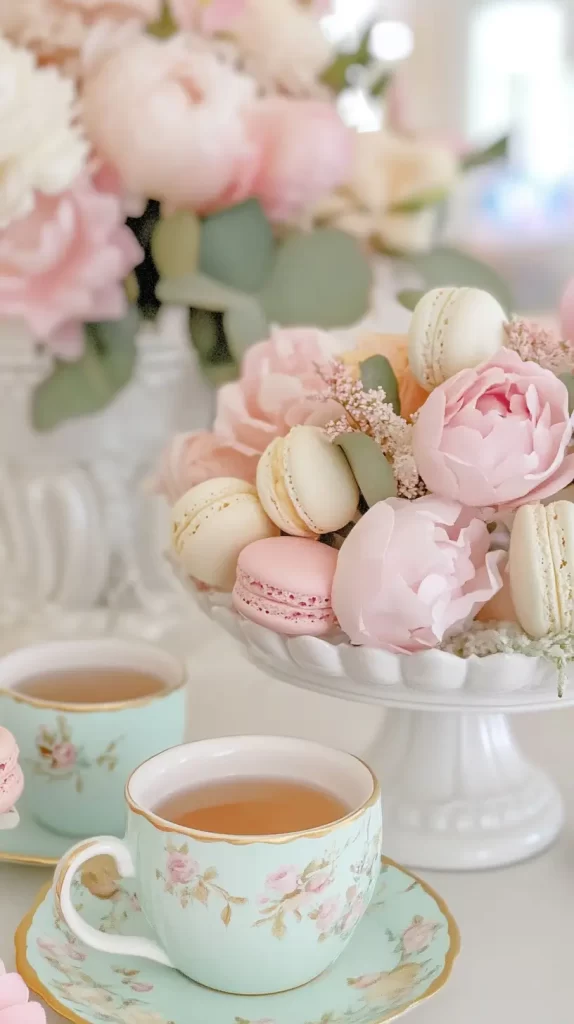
[88, 385]
[335, 76]
[380, 85]
[371, 469]
[409, 298]
[480, 157]
[420, 202]
[321, 278]
[165, 26]
[377, 372]
[200, 291]
[244, 325]
[203, 332]
[237, 246]
[568, 380]
[446, 266]
[175, 244]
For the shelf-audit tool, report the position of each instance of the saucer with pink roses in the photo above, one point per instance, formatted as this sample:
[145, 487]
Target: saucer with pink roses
[448, 432]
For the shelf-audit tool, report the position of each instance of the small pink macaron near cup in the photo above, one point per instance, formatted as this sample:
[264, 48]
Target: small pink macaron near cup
[11, 776]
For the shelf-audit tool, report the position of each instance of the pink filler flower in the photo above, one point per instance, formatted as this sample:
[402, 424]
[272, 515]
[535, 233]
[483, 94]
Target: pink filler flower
[496, 435]
[207, 17]
[275, 392]
[64, 755]
[434, 552]
[64, 264]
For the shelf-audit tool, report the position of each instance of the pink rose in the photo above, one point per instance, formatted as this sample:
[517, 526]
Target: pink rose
[189, 459]
[14, 1005]
[64, 755]
[181, 868]
[318, 882]
[327, 915]
[74, 953]
[306, 153]
[418, 935]
[411, 571]
[189, 145]
[65, 263]
[496, 434]
[141, 986]
[206, 17]
[283, 881]
[275, 392]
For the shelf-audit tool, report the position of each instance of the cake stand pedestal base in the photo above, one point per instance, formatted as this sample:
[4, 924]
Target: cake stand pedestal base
[459, 794]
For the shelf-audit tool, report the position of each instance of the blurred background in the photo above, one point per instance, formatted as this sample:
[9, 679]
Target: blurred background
[469, 71]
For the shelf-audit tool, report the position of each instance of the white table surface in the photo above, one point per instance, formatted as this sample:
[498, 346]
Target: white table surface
[517, 924]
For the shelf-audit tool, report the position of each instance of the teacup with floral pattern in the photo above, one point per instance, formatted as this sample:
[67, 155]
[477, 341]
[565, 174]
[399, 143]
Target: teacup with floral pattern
[244, 914]
[77, 757]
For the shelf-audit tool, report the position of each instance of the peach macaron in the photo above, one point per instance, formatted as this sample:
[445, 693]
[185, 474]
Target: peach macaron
[285, 583]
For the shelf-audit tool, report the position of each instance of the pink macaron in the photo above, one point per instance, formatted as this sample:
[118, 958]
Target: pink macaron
[285, 583]
[11, 777]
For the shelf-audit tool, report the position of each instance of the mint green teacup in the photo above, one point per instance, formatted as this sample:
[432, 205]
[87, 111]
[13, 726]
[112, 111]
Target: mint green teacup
[241, 914]
[77, 757]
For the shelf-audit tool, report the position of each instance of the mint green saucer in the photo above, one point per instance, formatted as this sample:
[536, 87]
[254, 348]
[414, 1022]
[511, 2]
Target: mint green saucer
[402, 953]
[31, 843]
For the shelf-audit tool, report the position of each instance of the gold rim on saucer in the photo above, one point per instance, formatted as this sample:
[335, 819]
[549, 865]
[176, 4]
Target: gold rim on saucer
[35, 985]
[28, 859]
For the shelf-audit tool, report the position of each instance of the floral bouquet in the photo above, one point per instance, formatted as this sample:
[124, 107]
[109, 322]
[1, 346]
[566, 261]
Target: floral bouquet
[11, 782]
[431, 466]
[189, 153]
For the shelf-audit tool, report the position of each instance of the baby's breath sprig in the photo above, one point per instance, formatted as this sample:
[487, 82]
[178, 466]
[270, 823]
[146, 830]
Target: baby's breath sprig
[368, 412]
[534, 343]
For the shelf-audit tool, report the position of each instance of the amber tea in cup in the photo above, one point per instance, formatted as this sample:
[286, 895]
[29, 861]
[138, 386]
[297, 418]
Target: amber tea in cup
[253, 807]
[91, 685]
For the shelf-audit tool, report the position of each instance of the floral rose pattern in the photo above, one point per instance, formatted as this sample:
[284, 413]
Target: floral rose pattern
[184, 879]
[60, 759]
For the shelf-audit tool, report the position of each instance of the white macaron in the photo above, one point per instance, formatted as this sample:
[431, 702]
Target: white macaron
[453, 329]
[212, 523]
[541, 568]
[305, 483]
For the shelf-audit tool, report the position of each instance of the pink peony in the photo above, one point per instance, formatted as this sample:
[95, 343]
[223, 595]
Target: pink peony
[496, 435]
[418, 936]
[189, 459]
[59, 31]
[181, 868]
[411, 571]
[64, 755]
[64, 264]
[283, 881]
[15, 1007]
[207, 16]
[306, 153]
[276, 391]
[188, 146]
[327, 914]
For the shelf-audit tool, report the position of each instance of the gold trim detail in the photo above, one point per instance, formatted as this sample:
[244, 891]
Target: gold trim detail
[123, 705]
[64, 865]
[27, 858]
[205, 837]
[35, 985]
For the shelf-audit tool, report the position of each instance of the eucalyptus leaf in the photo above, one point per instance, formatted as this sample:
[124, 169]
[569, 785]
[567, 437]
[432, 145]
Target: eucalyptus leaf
[244, 325]
[486, 155]
[420, 202]
[377, 372]
[84, 387]
[237, 246]
[336, 75]
[321, 278]
[200, 291]
[409, 298]
[175, 244]
[371, 469]
[568, 380]
[446, 266]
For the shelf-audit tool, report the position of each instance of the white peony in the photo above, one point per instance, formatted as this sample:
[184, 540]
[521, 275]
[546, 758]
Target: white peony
[40, 147]
[390, 171]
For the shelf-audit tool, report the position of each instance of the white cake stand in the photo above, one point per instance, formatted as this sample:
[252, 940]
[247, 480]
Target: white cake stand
[458, 792]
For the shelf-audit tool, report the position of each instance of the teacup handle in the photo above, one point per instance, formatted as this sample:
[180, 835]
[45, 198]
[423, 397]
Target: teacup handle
[120, 945]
